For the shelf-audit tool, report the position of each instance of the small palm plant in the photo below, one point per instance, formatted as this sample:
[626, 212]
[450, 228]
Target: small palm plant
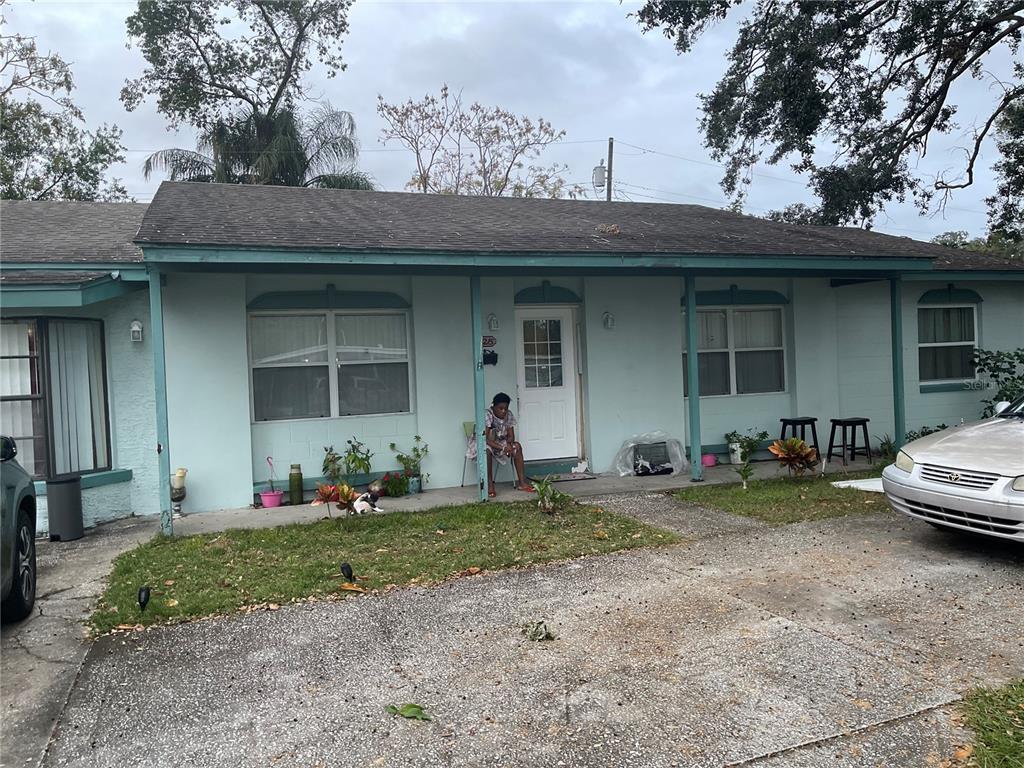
[794, 454]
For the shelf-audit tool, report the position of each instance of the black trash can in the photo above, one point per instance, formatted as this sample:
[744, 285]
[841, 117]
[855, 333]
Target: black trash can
[64, 508]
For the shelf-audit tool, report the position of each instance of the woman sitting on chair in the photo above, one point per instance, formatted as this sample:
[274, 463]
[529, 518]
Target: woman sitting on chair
[501, 442]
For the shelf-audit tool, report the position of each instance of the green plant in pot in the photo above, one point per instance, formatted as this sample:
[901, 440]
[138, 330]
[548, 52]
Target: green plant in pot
[412, 463]
[743, 446]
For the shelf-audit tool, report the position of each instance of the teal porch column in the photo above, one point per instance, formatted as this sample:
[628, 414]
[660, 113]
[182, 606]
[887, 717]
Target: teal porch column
[898, 397]
[693, 381]
[156, 322]
[479, 398]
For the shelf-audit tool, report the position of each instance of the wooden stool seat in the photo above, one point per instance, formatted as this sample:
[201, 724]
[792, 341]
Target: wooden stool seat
[803, 422]
[849, 423]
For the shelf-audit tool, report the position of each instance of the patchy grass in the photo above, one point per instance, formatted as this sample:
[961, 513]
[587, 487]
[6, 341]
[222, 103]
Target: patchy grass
[997, 718]
[197, 576]
[789, 500]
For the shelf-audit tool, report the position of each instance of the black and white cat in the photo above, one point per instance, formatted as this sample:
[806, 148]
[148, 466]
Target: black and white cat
[367, 502]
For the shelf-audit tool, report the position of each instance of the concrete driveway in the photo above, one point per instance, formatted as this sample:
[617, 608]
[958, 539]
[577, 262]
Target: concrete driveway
[844, 642]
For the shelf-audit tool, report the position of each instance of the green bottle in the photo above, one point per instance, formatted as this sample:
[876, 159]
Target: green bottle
[295, 484]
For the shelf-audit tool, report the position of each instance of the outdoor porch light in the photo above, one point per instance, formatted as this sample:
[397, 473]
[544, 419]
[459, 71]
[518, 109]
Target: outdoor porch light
[608, 320]
[492, 322]
[135, 329]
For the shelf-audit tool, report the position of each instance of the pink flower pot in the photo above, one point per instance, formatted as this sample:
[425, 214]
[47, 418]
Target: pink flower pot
[708, 460]
[271, 498]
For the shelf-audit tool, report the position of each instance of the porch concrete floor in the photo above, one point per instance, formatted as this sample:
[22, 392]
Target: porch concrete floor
[843, 642]
[602, 485]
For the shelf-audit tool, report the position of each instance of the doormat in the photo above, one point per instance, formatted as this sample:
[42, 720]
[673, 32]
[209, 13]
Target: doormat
[566, 477]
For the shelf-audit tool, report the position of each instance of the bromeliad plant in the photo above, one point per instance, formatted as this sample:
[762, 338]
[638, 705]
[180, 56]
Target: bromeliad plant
[794, 454]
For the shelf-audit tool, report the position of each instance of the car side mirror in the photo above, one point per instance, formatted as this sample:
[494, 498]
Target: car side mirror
[8, 448]
[1001, 406]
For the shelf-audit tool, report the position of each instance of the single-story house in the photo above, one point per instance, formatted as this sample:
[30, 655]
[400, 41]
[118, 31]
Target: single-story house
[223, 324]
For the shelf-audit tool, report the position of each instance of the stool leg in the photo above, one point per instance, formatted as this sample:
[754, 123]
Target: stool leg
[803, 432]
[831, 442]
[853, 443]
[782, 436]
[814, 435]
[844, 445]
[867, 441]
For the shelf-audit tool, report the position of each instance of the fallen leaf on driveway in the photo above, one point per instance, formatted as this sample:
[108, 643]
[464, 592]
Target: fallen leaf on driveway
[963, 752]
[409, 711]
[863, 704]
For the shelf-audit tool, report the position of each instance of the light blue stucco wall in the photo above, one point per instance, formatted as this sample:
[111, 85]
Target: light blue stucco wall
[131, 405]
[634, 372]
[208, 388]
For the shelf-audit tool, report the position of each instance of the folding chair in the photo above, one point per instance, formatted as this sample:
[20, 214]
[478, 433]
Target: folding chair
[469, 431]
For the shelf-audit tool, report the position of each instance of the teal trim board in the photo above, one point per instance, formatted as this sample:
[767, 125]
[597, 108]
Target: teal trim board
[156, 322]
[693, 377]
[479, 398]
[899, 403]
[546, 293]
[37, 295]
[94, 480]
[330, 298]
[950, 295]
[733, 295]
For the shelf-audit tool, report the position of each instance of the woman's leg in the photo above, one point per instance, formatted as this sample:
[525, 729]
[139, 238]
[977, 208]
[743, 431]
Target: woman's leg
[490, 475]
[517, 459]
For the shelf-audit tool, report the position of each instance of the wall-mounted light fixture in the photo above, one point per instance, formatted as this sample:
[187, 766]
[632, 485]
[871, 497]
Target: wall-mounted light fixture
[135, 330]
[492, 322]
[608, 321]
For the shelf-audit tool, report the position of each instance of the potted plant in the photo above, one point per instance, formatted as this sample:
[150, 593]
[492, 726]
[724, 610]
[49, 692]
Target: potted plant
[271, 498]
[355, 461]
[395, 484]
[743, 446]
[794, 454]
[412, 463]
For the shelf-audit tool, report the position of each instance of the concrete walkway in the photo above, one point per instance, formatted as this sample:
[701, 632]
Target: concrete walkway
[842, 642]
[40, 657]
[602, 485]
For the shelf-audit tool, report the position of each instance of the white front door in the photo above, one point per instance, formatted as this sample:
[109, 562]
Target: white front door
[546, 377]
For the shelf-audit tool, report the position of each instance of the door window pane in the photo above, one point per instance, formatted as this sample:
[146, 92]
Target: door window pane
[375, 388]
[542, 353]
[288, 339]
[760, 372]
[370, 338]
[938, 363]
[292, 392]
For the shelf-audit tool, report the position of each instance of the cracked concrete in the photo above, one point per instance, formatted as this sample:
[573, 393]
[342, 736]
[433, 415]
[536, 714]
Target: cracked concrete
[843, 642]
[40, 657]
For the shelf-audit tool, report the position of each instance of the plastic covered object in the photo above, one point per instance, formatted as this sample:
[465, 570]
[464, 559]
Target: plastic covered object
[650, 453]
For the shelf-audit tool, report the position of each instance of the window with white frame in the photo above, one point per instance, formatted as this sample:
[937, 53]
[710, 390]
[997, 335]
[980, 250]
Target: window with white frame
[320, 364]
[946, 339]
[53, 394]
[741, 351]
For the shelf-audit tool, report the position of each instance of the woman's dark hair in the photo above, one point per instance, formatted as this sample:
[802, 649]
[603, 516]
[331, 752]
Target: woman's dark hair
[501, 397]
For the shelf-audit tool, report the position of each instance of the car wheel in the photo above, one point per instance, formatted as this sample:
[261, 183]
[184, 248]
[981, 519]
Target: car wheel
[18, 604]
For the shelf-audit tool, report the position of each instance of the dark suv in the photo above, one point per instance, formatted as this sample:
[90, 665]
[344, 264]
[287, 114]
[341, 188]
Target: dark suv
[17, 536]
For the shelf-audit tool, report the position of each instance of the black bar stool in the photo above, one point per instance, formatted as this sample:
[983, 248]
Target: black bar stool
[803, 422]
[851, 424]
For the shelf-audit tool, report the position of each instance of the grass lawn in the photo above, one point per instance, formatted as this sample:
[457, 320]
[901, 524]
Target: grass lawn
[788, 500]
[197, 576]
[997, 718]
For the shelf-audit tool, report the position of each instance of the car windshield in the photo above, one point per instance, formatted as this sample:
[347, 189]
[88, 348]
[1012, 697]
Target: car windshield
[1016, 408]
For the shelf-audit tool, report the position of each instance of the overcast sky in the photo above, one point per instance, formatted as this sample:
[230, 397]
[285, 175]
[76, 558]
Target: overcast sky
[585, 67]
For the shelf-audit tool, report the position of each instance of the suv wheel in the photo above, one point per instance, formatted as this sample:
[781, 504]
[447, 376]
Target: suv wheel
[18, 604]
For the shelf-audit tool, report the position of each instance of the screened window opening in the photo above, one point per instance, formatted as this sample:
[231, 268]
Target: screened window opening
[740, 351]
[329, 364]
[53, 398]
[946, 337]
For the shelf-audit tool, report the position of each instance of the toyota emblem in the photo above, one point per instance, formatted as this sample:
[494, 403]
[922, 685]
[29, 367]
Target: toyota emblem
[954, 477]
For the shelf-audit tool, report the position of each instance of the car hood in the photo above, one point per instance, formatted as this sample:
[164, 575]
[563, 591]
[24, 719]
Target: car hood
[994, 445]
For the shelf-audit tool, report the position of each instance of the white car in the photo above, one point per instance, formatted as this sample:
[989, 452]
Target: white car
[969, 477]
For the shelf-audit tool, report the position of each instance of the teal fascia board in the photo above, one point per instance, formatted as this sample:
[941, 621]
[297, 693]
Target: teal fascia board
[33, 295]
[122, 268]
[1009, 274]
[331, 298]
[546, 293]
[481, 261]
[736, 296]
[950, 295]
[94, 480]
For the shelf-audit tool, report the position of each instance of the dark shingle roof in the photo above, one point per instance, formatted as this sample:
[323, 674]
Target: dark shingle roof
[48, 277]
[69, 232]
[323, 219]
